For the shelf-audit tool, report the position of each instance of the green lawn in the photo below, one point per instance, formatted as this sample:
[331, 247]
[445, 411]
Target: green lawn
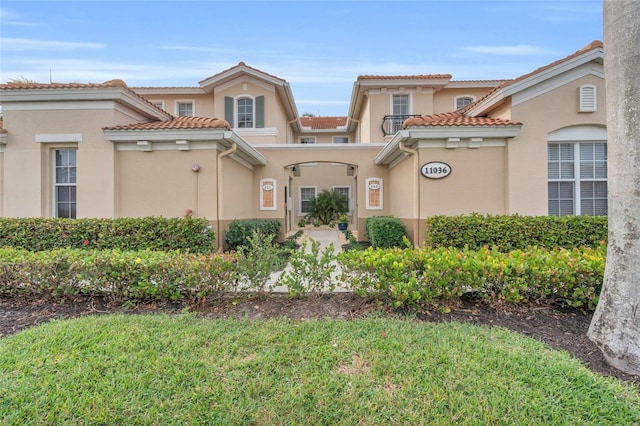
[161, 370]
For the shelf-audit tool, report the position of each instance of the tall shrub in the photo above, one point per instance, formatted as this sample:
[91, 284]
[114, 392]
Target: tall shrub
[240, 231]
[385, 231]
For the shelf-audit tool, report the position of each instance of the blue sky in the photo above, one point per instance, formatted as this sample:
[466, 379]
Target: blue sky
[319, 47]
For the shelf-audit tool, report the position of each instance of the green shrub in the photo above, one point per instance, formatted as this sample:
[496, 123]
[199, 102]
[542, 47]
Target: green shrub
[412, 277]
[327, 206]
[122, 276]
[511, 232]
[240, 231]
[152, 233]
[385, 231]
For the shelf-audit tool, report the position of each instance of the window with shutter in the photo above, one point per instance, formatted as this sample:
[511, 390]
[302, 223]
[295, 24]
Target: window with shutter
[588, 100]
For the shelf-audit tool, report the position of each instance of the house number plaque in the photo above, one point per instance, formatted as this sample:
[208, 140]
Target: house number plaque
[435, 170]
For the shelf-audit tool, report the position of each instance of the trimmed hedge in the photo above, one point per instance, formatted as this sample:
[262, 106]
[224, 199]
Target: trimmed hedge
[385, 231]
[240, 231]
[122, 276]
[514, 232]
[149, 233]
[413, 277]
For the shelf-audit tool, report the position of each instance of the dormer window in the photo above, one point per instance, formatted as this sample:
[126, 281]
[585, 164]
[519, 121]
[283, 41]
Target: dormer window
[244, 112]
[588, 99]
[463, 101]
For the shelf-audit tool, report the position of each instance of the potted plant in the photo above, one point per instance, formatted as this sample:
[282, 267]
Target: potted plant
[343, 222]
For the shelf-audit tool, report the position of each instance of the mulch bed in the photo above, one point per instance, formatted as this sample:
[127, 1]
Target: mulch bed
[560, 328]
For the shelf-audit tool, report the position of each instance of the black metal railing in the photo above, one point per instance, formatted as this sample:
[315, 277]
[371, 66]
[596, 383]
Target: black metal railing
[392, 123]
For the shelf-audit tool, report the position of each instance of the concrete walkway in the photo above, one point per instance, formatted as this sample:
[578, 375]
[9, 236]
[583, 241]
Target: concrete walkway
[325, 238]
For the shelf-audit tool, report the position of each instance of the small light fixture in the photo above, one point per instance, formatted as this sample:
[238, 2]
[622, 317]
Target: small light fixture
[195, 168]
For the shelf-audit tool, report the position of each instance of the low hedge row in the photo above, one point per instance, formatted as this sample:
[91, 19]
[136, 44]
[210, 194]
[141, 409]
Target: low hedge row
[119, 275]
[514, 232]
[412, 277]
[152, 233]
[240, 231]
[385, 231]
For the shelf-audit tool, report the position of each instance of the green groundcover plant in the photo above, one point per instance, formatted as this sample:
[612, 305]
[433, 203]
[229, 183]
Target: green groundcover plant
[181, 369]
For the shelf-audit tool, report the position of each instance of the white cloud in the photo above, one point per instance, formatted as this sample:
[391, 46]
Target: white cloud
[24, 44]
[9, 18]
[517, 49]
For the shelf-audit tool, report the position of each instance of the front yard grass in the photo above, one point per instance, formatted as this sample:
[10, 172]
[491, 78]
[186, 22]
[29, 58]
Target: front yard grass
[181, 369]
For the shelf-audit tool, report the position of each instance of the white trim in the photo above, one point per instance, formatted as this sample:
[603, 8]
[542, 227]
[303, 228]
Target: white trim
[260, 131]
[410, 102]
[58, 137]
[585, 133]
[55, 106]
[275, 194]
[315, 191]
[54, 178]
[366, 192]
[185, 101]
[235, 111]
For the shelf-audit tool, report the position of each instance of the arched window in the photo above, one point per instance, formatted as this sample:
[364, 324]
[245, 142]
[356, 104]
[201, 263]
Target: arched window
[463, 101]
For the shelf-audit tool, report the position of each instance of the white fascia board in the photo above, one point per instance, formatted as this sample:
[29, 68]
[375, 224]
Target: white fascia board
[58, 106]
[165, 135]
[391, 149]
[536, 78]
[250, 153]
[445, 132]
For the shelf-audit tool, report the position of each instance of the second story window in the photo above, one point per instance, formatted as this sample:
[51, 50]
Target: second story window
[245, 113]
[400, 111]
[463, 101]
[308, 140]
[184, 108]
[340, 139]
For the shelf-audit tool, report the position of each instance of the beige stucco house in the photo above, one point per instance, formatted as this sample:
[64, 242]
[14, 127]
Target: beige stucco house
[235, 147]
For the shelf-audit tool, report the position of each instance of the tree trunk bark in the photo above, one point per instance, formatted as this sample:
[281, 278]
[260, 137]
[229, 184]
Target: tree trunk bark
[615, 326]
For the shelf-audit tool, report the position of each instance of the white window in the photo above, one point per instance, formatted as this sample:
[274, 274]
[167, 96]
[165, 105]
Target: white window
[346, 191]
[307, 193]
[185, 108]
[158, 104]
[577, 174]
[64, 183]
[245, 113]
[463, 101]
[588, 98]
[399, 108]
[308, 140]
[340, 139]
[374, 193]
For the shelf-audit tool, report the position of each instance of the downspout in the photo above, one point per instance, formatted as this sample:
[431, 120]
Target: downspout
[357, 129]
[286, 130]
[223, 154]
[416, 227]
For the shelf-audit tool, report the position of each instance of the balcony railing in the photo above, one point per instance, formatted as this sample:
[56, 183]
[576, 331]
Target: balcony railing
[392, 123]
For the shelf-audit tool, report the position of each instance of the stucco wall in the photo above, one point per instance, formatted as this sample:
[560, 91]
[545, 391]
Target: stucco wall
[162, 183]
[527, 156]
[31, 194]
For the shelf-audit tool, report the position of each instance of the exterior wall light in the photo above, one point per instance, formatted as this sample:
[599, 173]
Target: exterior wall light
[195, 168]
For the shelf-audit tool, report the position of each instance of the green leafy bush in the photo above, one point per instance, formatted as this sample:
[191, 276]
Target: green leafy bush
[122, 276]
[256, 261]
[152, 233]
[412, 277]
[385, 231]
[311, 270]
[327, 206]
[511, 232]
[240, 231]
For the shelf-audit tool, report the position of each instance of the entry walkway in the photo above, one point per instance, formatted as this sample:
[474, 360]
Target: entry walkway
[325, 238]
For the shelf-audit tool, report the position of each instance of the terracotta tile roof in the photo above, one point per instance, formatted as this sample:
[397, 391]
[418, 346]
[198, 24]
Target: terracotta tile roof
[323, 123]
[406, 77]
[180, 122]
[29, 85]
[596, 44]
[242, 64]
[455, 119]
